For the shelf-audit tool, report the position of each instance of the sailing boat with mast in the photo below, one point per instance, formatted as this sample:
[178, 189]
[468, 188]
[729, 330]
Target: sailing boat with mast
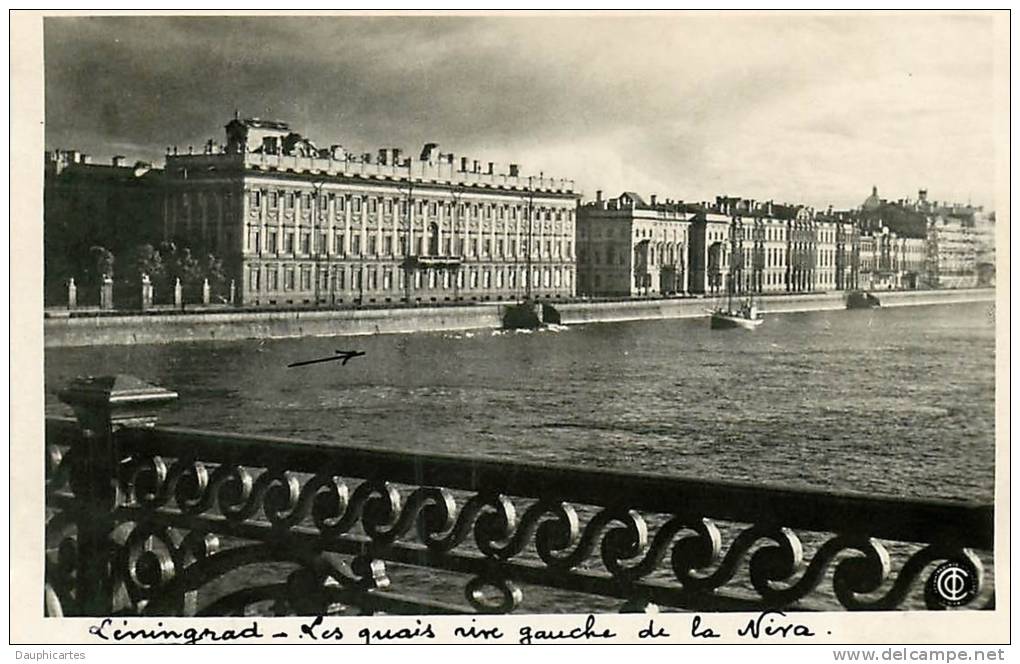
[744, 315]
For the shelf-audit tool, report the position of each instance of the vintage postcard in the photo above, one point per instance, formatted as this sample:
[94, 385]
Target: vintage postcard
[652, 327]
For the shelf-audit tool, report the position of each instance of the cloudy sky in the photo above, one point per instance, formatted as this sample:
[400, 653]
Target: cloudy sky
[800, 108]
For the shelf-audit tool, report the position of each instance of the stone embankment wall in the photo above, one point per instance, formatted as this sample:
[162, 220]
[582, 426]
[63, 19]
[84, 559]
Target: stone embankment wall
[66, 331]
[232, 326]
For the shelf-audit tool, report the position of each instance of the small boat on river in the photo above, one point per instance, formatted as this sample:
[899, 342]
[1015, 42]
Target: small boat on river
[861, 300]
[745, 316]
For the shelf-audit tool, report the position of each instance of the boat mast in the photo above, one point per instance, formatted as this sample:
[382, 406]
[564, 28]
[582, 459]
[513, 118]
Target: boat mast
[730, 287]
[527, 254]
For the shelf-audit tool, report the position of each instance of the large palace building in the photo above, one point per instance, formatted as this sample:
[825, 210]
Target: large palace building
[296, 224]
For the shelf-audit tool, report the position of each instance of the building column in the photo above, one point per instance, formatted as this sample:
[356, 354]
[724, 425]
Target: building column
[348, 283]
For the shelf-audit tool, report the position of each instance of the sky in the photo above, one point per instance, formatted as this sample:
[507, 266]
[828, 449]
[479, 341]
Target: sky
[800, 108]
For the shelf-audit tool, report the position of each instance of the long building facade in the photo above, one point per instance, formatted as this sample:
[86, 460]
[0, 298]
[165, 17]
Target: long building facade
[298, 225]
[627, 246]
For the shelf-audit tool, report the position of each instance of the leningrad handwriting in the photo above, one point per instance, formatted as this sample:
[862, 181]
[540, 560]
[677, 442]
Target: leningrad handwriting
[767, 624]
[106, 631]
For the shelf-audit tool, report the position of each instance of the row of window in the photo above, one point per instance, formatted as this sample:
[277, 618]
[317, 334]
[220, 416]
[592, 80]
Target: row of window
[372, 204]
[652, 256]
[306, 243]
[273, 278]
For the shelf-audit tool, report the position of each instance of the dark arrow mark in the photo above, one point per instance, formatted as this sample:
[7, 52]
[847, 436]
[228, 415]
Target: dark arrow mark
[343, 355]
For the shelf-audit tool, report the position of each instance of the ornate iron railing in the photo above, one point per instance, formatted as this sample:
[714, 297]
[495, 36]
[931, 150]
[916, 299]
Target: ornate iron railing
[168, 521]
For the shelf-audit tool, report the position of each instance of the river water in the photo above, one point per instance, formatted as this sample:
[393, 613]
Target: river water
[896, 401]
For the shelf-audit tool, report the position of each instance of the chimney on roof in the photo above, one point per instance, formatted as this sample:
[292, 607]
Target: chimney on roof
[477, 167]
[492, 167]
[119, 160]
[598, 196]
[653, 199]
[430, 152]
[463, 164]
[515, 170]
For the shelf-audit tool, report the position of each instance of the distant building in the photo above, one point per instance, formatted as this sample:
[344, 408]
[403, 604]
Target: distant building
[867, 259]
[115, 206]
[803, 252]
[627, 246]
[905, 218]
[298, 224]
[848, 253]
[913, 262]
[984, 248]
[921, 243]
[826, 231]
[710, 251]
[766, 241]
[951, 255]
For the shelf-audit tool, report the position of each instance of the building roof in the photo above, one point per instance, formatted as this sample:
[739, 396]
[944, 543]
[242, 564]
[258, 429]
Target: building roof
[259, 123]
[635, 198]
[872, 202]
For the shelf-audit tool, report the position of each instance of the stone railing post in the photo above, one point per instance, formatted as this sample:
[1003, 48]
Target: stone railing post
[178, 294]
[205, 291]
[146, 293]
[72, 294]
[106, 293]
[102, 406]
[233, 293]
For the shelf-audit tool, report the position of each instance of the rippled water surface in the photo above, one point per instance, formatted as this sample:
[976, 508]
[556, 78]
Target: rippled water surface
[897, 401]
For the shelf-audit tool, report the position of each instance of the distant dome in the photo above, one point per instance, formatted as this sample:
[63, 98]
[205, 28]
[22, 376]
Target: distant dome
[872, 202]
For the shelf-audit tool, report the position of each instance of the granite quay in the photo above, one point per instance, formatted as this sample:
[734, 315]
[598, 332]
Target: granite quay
[63, 329]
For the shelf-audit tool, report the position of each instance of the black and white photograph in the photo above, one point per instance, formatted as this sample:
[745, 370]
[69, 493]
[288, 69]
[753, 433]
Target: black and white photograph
[568, 327]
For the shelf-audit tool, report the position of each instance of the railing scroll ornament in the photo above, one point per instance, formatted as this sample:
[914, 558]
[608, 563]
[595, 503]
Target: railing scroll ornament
[146, 520]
